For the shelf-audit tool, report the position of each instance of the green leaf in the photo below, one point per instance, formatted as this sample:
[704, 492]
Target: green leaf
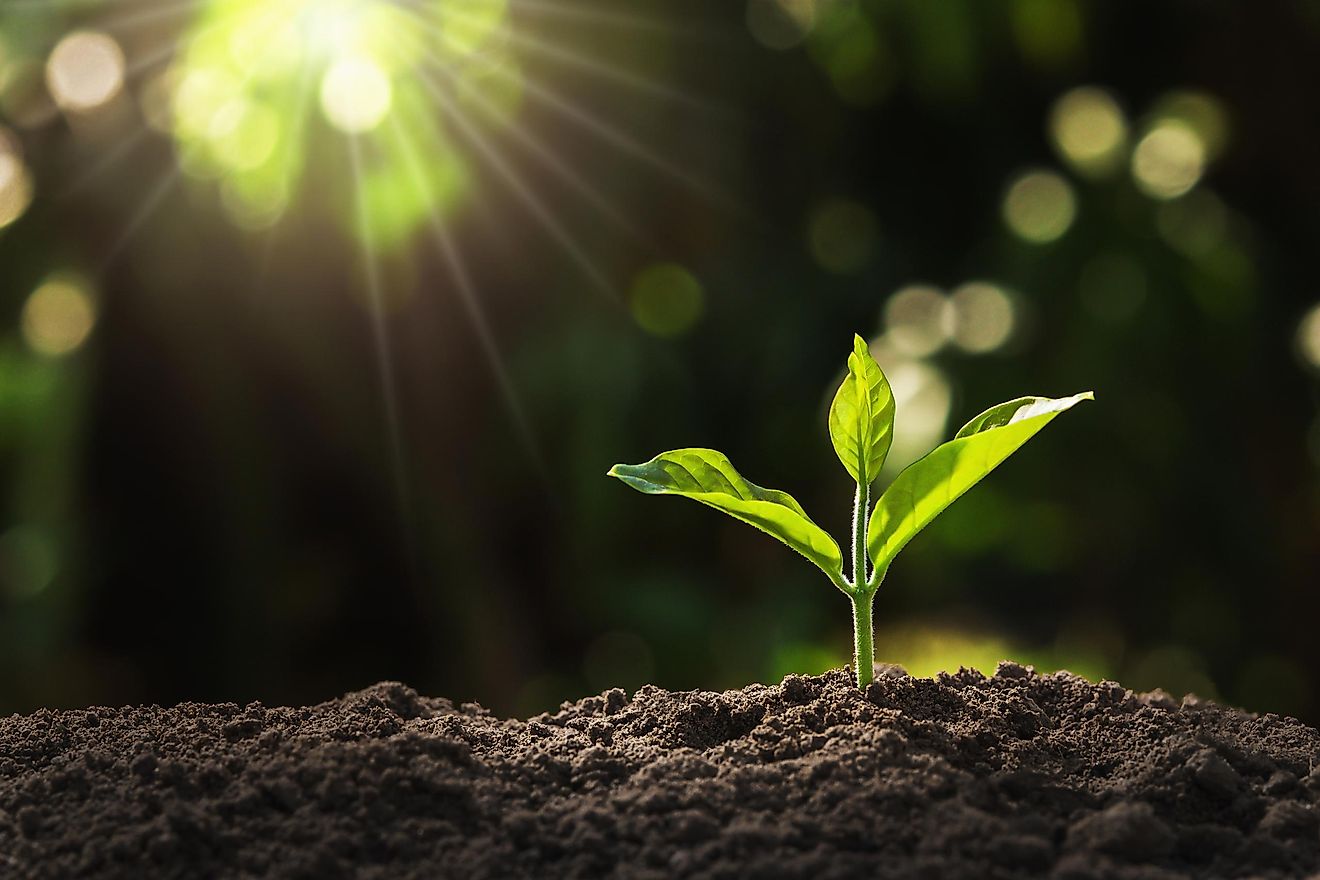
[934, 482]
[862, 416]
[707, 476]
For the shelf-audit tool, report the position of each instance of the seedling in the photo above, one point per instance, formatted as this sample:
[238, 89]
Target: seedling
[861, 424]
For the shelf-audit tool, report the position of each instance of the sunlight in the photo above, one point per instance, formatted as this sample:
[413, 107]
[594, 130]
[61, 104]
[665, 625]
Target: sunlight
[257, 96]
[242, 117]
[381, 114]
[355, 95]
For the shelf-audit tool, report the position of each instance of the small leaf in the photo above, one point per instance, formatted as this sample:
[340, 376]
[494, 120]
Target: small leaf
[862, 416]
[707, 476]
[932, 483]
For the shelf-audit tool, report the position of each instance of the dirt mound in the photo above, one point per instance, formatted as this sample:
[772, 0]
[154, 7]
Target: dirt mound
[1017, 775]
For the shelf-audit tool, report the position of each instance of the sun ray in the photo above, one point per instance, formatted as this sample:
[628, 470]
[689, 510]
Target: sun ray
[445, 73]
[600, 128]
[621, 140]
[517, 185]
[105, 161]
[461, 277]
[137, 18]
[301, 102]
[44, 6]
[140, 64]
[158, 193]
[153, 199]
[547, 157]
[384, 353]
[611, 18]
[602, 70]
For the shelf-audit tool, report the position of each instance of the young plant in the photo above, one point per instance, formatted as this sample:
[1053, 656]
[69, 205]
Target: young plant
[861, 425]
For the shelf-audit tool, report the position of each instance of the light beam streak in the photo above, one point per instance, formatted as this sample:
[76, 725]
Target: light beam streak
[600, 69]
[547, 157]
[384, 356]
[518, 186]
[148, 207]
[467, 295]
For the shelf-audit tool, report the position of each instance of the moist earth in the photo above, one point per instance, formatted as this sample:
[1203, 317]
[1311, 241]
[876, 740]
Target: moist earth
[1013, 775]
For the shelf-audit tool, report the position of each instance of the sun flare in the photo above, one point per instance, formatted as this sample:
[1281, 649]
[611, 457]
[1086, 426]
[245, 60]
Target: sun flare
[260, 88]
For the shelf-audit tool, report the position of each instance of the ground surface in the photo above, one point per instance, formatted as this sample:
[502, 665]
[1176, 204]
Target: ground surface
[1017, 775]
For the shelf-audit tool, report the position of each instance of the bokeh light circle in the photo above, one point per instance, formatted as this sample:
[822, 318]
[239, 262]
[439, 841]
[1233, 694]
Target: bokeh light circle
[1169, 160]
[918, 320]
[666, 300]
[983, 317]
[1308, 337]
[1200, 111]
[29, 562]
[85, 71]
[842, 235]
[780, 24]
[15, 182]
[1039, 206]
[923, 398]
[1088, 129]
[58, 317]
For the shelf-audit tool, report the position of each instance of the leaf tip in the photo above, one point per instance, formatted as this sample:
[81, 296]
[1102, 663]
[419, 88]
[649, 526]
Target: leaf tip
[860, 345]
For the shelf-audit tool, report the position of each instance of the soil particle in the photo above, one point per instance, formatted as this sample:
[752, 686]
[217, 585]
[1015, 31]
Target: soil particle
[1215, 775]
[1014, 775]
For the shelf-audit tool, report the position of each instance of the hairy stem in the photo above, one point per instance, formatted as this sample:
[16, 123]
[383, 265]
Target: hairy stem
[862, 593]
[861, 511]
[863, 637]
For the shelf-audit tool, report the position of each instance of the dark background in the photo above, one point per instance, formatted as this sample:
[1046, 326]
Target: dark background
[206, 500]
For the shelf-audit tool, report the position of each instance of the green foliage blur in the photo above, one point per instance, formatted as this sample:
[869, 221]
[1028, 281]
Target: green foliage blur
[303, 387]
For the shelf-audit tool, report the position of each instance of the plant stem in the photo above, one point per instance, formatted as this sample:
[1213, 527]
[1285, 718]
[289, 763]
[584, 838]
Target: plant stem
[863, 635]
[862, 594]
[861, 503]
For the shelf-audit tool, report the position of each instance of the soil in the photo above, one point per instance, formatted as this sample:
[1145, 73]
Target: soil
[1015, 775]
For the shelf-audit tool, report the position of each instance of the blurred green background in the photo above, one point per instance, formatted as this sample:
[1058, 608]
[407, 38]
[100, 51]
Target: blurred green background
[320, 326]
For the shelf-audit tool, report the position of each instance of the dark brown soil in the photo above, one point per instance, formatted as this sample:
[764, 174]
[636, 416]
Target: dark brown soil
[1018, 775]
